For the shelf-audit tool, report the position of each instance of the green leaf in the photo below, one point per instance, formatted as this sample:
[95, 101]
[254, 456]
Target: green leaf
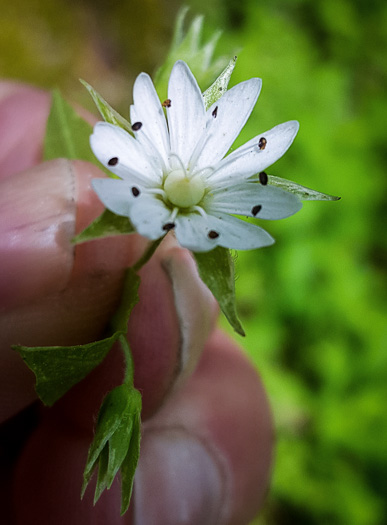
[67, 134]
[106, 225]
[187, 46]
[128, 467]
[107, 112]
[58, 368]
[305, 194]
[219, 87]
[116, 443]
[216, 269]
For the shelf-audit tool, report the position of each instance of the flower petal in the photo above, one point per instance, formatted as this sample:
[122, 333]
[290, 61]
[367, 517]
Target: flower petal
[237, 234]
[234, 108]
[249, 159]
[148, 215]
[147, 109]
[115, 194]
[202, 234]
[253, 200]
[192, 233]
[187, 115]
[133, 164]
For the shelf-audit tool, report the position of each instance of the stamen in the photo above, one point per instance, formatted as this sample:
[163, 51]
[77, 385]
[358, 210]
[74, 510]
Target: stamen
[179, 161]
[136, 126]
[157, 191]
[135, 191]
[212, 234]
[263, 178]
[113, 161]
[215, 112]
[169, 226]
[200, 210]
[167, 103]
[198, 149]
[174, 213]
[262, 143]
[256, 209]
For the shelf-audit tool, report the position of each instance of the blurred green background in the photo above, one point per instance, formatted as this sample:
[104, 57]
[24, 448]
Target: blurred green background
[314, 304]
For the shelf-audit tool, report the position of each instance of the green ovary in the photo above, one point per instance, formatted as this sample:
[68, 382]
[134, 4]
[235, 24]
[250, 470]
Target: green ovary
[183, 191]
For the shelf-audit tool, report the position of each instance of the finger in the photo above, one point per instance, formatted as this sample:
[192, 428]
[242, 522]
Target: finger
[53, 294]
[206, 455]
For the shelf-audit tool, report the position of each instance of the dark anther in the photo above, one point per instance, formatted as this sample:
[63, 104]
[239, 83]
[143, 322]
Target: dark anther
[136, 126]
[263, 178]
[169, 226]
[212, 234]
[262, 143]
[167, 103]
[135, 191]
[113, 161]
[256, 209]
[215, 112]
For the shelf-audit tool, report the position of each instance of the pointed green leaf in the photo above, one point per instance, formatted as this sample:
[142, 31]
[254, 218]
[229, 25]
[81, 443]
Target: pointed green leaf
[58, 368]
[129, 465]
[107, 112]
[106, 225]
[67, 134]
[216, 269]
[219, 87]
[109, 418]
[112, 449]
[305, 194]
[102, 481]
[187, 46]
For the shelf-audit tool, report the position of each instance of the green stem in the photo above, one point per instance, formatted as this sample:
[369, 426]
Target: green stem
[146, 255]
[129, 365]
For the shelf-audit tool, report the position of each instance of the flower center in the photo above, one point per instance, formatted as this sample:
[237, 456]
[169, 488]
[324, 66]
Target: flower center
[183, 191]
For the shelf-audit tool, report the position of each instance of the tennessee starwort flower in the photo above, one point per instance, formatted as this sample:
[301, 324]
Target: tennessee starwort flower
[174, 175]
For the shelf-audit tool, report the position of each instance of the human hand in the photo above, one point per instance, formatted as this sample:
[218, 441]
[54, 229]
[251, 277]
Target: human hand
[206, 446]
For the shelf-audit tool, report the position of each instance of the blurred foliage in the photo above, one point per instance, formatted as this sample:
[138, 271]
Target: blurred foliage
[314, 304]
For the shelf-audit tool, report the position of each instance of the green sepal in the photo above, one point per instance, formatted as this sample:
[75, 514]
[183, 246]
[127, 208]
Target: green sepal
[107, 112]
[187, 46]
[106, 225]
[116, 443]
[67, 134]
[58, 368]
[129, 465]
[305, 194]
[216, 269]
[219, 87]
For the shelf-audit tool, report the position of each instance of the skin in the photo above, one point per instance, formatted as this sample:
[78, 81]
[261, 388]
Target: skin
[207, 432]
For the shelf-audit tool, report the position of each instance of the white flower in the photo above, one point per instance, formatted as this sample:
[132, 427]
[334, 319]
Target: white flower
[174, 173]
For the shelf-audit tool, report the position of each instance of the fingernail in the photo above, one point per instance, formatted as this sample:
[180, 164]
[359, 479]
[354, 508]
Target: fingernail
[195, 306]
[178, 480]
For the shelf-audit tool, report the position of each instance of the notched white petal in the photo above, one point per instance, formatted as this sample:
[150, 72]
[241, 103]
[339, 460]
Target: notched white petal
[192, 233]
[226, 122]
[149, 216]
[122, 154]
[250, 159]
[237, 234]
[186, 115]
[115, 194]
[147, 109]
[253, 200]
